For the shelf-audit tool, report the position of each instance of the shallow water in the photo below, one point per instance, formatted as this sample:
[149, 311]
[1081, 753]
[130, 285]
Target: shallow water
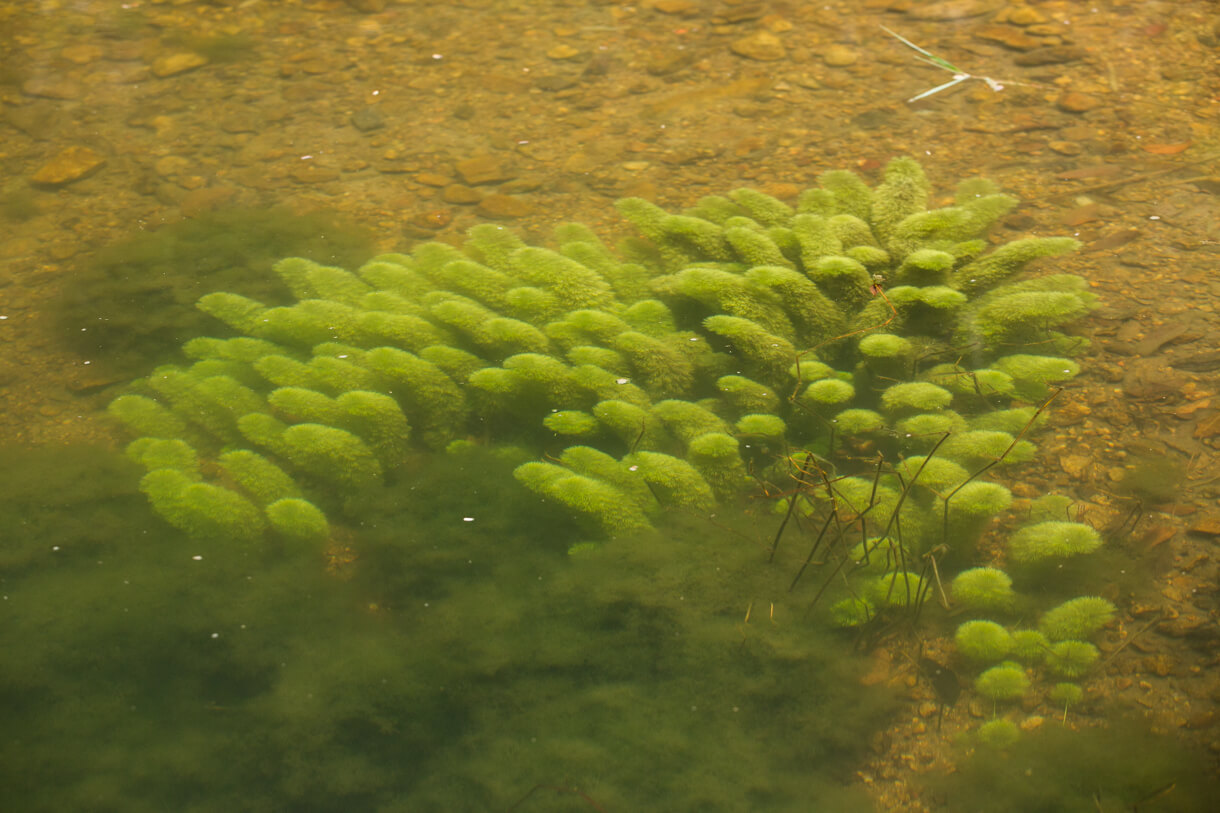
[154, 152]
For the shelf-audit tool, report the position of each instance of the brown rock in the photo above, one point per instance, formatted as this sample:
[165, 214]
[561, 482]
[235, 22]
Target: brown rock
[482, 169]
[1007, 36]
[71, 164]
[952, 9]
[840, 56]
[1208, 427]
[680, 8]
[1050, 55]
[435, 219]
[762, 46]
[1075, 465]
[82, 53]
[1208, 525]
[460, 194]
[177, 63]
[1024, 15]
[53, 87]
[1076, 102]
[563, 51]
[504, 207]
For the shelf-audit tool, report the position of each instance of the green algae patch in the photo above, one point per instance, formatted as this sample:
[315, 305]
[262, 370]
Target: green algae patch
[463, 659]
[131, 302]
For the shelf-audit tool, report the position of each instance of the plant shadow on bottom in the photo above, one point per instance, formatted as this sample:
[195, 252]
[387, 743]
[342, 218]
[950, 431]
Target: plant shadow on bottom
[1120, 766]
[459, 666]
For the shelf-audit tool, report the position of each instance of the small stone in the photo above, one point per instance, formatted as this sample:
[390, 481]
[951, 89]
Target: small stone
[504, 207]
[664, 61]
[53, 87]
[952, 9]
[177, 63]
[1007, 36]
[1032, 723]
[367, 119]
[1076, 102]
[461, 194]
[1024, 15]
[562, 51]
[1050, 55]
[679, 8]
[1074, 465]
[1066, 147]
[482, 169]
[71, 164]
[433, 220]
[1208, 427]
[82, 53]
[762, 46]
[1207, 525]
[1160, 665]
[840, 56]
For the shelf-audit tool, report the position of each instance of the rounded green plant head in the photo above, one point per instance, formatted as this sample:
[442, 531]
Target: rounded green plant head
[899, 589]
[1030, 646]
[983, 589]
[1078, 619]
[982, 641]
[980, 499]
[1072, 659]
[935, 473]
[852, 612]
[828, 392]
[1067, 694]
[761, 425]
[298, 520]
[1052, 540]
[1007, 681]
[858, 421]
[885, 346]
[915, 396]
[572, 422]
[998, 733]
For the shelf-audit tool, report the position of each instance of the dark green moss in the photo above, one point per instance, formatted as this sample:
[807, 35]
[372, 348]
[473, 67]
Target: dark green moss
[1121, 766]
[461, 663]
[18, 205]
[134, 300]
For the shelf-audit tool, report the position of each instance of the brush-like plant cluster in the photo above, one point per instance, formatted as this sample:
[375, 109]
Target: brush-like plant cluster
[657, 377]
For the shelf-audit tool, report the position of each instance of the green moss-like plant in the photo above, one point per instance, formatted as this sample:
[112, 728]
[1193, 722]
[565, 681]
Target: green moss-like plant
[1067, 694]
[1080, 619]
[1072, 659]
[998, 733]
[298, 521]
[1045, 541]
[202, 510]
[744, 335]
[1007, 681]
[982, 641]
[983, 589]
[1030, 646]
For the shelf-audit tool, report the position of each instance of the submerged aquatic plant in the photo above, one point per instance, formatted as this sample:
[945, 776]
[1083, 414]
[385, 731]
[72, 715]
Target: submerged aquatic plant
[743, 344]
